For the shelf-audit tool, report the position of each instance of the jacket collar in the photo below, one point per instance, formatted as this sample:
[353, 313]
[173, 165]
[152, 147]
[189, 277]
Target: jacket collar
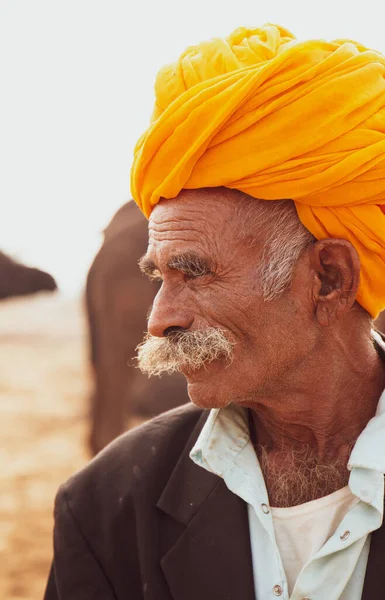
[211, 555]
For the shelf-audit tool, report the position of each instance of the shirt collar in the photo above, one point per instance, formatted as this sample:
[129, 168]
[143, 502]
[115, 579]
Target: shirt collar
[223, 437]
[369, 449]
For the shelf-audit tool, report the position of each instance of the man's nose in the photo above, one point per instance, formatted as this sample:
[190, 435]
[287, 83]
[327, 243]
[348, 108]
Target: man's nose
[168, 313]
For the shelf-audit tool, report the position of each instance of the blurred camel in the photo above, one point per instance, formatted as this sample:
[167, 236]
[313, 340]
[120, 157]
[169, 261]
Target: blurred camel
[18, 280]
[118, 298]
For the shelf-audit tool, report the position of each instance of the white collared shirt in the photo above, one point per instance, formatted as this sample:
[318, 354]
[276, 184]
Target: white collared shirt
[337, 570]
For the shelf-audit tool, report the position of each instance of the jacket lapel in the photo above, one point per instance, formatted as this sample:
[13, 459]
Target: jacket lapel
[210, 555]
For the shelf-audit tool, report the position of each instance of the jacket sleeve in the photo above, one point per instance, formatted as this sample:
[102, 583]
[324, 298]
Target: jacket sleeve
[75, 573]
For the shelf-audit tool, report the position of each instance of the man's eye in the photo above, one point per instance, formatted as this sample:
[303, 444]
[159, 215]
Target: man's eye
[196, 274]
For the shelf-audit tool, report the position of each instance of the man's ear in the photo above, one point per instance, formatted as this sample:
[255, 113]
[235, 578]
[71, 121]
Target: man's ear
[336, 269]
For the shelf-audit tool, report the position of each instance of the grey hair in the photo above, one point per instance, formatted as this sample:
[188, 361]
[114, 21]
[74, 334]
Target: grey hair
[285, 238]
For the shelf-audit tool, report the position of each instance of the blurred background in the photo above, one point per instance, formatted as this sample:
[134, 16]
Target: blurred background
[76, 82]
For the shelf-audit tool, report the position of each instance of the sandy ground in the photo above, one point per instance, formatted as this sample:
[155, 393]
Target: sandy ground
[43, 422]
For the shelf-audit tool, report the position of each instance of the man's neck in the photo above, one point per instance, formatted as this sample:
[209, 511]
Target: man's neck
[307, 429]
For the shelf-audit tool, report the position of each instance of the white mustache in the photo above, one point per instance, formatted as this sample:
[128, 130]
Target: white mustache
[180, 350]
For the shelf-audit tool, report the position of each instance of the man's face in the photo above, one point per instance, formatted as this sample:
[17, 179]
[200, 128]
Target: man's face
[210, 280]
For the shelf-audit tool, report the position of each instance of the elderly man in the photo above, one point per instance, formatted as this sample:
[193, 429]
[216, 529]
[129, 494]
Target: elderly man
[271, 484]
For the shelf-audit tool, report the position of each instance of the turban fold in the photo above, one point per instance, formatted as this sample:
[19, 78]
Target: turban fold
[276, 118]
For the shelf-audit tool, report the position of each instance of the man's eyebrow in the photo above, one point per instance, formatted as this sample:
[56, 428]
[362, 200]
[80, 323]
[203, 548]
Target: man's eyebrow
[189, 263]
[147, 266]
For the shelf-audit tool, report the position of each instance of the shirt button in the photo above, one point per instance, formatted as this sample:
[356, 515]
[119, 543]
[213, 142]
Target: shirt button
[266, 510]
[345, 536]
[277, 588]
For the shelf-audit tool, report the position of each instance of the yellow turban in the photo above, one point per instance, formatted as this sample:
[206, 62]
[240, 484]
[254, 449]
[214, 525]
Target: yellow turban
[277, 118]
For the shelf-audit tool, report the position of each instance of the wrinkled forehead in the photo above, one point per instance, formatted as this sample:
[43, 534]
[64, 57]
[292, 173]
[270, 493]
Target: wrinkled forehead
[209, 225]
[203, 214]
[177, 227]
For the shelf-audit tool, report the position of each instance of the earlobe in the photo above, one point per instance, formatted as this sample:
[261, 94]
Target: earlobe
[336, 269]
[327, 310]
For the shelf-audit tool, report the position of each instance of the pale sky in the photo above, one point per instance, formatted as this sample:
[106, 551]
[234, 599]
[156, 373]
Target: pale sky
[76, 82]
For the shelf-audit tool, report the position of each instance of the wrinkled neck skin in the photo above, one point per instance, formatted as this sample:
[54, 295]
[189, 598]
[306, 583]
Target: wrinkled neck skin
[323, 406]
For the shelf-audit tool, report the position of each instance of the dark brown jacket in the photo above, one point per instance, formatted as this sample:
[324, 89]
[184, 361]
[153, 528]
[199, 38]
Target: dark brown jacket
[143, 522]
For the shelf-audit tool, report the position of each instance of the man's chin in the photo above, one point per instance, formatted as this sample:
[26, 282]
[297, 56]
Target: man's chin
[206, 394]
